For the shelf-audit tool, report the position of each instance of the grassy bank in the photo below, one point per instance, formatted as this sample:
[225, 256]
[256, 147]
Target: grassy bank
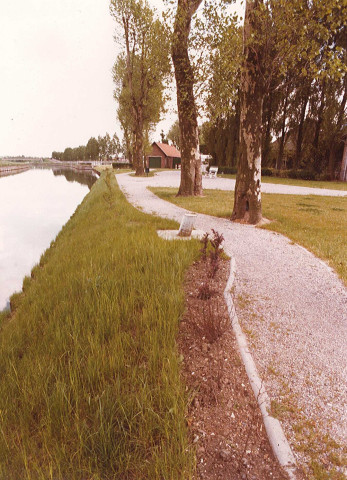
[90, 384]
[317, 223]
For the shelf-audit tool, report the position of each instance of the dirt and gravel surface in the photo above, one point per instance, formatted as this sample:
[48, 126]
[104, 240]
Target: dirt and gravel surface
[225, 422]
[293, 308]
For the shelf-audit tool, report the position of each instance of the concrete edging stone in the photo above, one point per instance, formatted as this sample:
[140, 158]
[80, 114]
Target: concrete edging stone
[277, 438]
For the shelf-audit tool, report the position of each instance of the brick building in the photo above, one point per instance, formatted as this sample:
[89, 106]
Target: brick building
[163, 156]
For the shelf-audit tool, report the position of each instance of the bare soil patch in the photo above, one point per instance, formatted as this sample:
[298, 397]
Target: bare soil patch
[224, 420]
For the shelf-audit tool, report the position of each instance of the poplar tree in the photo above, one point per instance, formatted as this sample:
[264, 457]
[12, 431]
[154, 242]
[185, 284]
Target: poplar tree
[139, 72]
[279, 37]
[191, 177]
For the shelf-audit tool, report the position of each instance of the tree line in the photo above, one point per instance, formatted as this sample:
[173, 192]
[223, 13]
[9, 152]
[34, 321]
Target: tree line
[282, 76]
[303, 104]
[101, 148]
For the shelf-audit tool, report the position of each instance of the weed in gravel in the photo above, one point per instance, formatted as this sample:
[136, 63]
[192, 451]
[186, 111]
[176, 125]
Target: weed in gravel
[272, 370]
[323, 454]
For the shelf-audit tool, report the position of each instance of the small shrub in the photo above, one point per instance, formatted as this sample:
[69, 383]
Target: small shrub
[213, 324]
[266, 172]
[204, 242]
[282, 173]
[216, 243]
[205, 291]
[323, 177]
[122, 165]
[227, 170]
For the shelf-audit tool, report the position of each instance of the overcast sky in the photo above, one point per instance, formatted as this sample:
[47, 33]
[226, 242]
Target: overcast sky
[56, 87]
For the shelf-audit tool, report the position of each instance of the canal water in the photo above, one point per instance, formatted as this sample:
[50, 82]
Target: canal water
[34, 205]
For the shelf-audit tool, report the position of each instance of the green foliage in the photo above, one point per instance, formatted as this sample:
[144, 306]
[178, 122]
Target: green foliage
[302, 57]
[92, 149]
[174, 135]
[218, 40]
[90, 384]
[67, 155]
[302, 174]
[108, 146]
[101, 148]
[221, 137]
[266, 172]
[121, 165]
[227, 170]
[139, 73]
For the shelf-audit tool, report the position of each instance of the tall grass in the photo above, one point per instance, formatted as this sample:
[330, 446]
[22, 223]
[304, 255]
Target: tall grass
[315, 222]
[90, 384]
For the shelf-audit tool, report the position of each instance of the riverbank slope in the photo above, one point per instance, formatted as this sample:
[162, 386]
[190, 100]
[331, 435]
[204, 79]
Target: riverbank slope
[90, 382]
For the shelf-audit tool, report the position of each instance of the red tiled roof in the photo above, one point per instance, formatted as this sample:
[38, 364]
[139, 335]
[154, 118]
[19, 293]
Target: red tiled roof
[169, 150]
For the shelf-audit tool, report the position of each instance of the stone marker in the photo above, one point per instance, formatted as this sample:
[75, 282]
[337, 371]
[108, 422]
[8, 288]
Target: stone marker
[187, 225]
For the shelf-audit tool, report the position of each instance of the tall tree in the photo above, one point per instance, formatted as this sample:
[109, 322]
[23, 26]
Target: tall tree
[191, 177]
[336, 129]
[220, 72]
[247, 205]
[282, 125]
[67, 155]
[174, 135]
[92, 149]
[139, 72]
[280, 37]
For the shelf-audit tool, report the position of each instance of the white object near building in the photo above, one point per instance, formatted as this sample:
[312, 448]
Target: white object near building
[213, 172]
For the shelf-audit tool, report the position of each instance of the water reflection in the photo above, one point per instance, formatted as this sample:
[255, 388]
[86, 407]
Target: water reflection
[33, 207]
[11, 172]
[84, 178]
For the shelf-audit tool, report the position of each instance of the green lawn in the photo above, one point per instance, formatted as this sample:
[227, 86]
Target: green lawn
[317, 223]
[299, 183]
[90, 385]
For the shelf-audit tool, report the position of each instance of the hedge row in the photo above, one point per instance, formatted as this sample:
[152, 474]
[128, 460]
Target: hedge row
[272, 172]
[122, 165]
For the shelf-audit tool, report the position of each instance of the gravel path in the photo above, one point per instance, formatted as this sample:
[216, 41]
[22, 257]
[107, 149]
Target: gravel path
[292, 306]
[172, 179]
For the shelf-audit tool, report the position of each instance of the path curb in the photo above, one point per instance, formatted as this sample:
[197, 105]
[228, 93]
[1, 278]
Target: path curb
[277, 438]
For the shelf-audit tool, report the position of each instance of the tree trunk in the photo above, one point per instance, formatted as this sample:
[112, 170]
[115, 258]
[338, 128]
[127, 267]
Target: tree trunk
[136, 107]
[236, 136]
[191, 178]
[343, 171]
[337, 130]
[247, 203]
[138, 150]
[267, 136]
[279, 162]
[319, 119]
[298, 152]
